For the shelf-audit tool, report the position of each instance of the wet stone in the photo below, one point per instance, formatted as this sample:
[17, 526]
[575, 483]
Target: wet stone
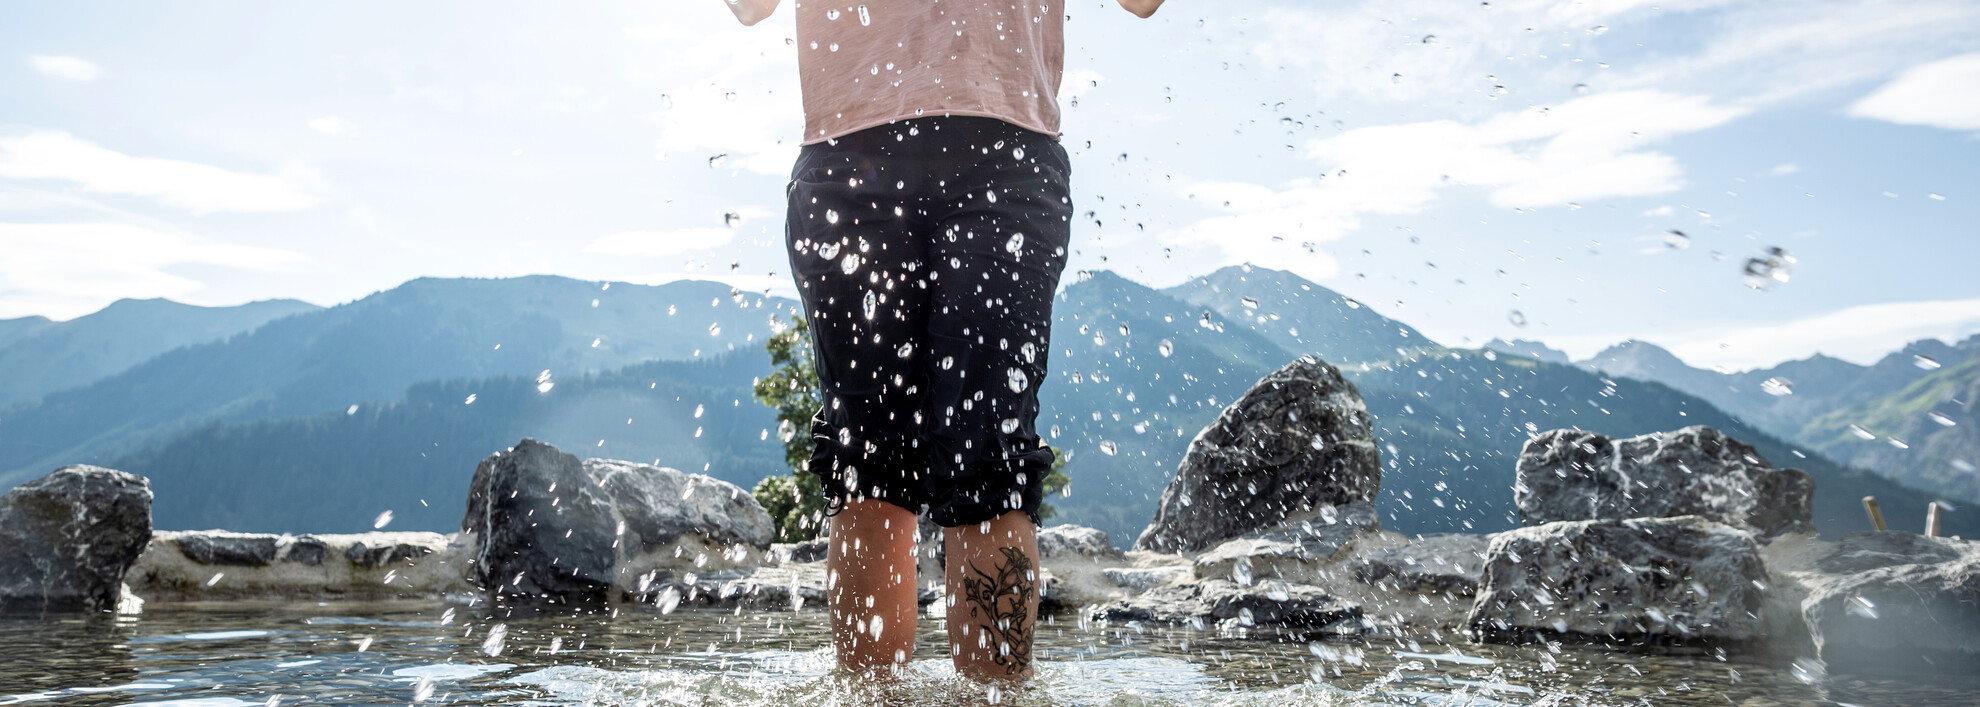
[1066, 541]
[1577, 475]
[225, 549]
[1141, 579]
[307, 550]
[1298, 443]
[1644, 580]
[808, 551]
[1449, 563]
[67, 539]
[1900, 603]
[364, 556]
[1206, 603]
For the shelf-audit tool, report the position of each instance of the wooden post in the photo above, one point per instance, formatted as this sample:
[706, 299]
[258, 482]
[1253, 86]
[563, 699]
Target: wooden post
[1932, 519]
[1876, 514]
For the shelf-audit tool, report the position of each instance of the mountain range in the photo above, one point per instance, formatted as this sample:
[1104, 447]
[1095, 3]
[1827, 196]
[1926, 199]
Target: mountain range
[322, 419]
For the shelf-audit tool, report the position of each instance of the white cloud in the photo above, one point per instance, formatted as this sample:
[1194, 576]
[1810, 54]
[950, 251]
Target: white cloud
[1943, 94]
[1782, 170]
[195, 187]
[69, 269]
[1861, 334]
[65, 67]
[652, 243]
[330, 124]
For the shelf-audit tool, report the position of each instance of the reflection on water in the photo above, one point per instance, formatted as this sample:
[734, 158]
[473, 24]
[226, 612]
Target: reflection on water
[249, 654]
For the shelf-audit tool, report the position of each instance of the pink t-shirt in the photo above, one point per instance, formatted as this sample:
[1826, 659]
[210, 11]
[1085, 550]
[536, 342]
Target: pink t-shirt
[865, 63]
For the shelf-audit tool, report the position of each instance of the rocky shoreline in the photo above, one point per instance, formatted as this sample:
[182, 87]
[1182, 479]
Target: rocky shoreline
[1683, 539]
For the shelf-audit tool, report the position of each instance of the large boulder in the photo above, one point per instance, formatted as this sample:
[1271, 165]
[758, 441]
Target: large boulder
[1298, 444]
[68, 538]
[1638, 581]
[1897, 601]
[1225, 604]
[555, 529]
[1577, 475]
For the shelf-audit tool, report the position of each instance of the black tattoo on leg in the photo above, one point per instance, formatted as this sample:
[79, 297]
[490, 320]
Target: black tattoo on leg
[999, 602]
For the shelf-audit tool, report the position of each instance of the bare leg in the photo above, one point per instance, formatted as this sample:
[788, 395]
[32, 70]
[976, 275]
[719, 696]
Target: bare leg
[871, 585]
[993, 596]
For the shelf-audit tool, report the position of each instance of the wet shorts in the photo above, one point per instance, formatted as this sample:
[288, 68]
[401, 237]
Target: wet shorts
[927, 252]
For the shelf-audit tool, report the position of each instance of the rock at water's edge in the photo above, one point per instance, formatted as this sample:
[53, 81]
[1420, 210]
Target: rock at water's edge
[230, 549]
[182, 566]
[1218, 601]
[1577, 475]
[555, 529]
[1448, 563]
[68, 538]
[1069, 541]
[1299, 441]
[1644, 580]
[1902, 603]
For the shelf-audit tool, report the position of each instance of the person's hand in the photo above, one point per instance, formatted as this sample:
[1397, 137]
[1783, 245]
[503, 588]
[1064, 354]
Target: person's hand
[1141, 8]
[751, 12]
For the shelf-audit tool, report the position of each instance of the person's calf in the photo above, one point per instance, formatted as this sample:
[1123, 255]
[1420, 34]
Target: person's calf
[870, 585]
[992, 576]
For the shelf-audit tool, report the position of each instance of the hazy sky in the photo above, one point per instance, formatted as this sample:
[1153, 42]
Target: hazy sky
[1509, 169]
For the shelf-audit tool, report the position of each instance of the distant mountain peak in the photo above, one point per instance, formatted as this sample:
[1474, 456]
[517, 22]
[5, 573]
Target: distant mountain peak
[1538, 351]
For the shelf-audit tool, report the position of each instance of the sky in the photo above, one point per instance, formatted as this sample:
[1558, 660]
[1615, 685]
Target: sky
[1578, 173]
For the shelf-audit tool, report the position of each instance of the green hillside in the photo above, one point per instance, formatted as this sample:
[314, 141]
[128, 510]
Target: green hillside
[44, 357]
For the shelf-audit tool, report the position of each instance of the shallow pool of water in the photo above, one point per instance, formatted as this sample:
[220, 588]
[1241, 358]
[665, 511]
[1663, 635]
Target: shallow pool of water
[247, 654]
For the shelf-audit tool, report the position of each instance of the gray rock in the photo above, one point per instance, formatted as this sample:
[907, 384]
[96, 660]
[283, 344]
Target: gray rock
[554, 529]
[1576, 475]
[1644, 580]
[808, 551]
[1864, 551]
[1217, 601]
[1288, 552]
[1068, 541]
[226, 549]
[1903, 603]
[1141, 579]
[307, 550]
[387, 554]
[68, 538]
[1298, 442]
[1448, 564]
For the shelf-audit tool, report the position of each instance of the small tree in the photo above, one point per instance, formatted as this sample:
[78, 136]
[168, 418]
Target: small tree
[796, 501]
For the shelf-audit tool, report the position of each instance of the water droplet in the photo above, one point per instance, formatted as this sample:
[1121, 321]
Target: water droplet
[870, 304]
[717, 160]
[1108, 448]
[832, 14]
[1518, 318]
[1249, 303]
[715, 330]
[383, 519]
[786, 431]
[491, 645]
[1029, 352]
[1124, 329]
[1942, 419]
[850, 263]
[1018, 381]
[1777, 387]
[990, 194]
[948, 362]
[1677, 240]
[1862, 433]
[1925, 362]
[1166, 348]
[828, 251]
[1581, 89]
[698, 409]
[1768, 269]
[543, 384]
[906, 350]
[731, 218]
[1009, 425]
[1017, 153]
[470, 399]
[866, 20]
[831, 216]
[670, 599]
[1015, 244]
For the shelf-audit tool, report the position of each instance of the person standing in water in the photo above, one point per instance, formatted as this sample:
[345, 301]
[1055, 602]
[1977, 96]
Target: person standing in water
[929, 219]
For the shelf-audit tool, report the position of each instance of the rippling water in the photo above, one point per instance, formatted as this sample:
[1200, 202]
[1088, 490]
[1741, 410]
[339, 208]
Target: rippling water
[245, 654]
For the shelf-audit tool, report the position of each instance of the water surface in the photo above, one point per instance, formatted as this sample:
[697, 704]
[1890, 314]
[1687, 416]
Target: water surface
[240, 654]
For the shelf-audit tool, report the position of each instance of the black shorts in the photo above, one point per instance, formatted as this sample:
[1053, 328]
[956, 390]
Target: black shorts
[927, 253]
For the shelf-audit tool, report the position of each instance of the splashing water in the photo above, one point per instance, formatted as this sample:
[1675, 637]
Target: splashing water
[1768, 269]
